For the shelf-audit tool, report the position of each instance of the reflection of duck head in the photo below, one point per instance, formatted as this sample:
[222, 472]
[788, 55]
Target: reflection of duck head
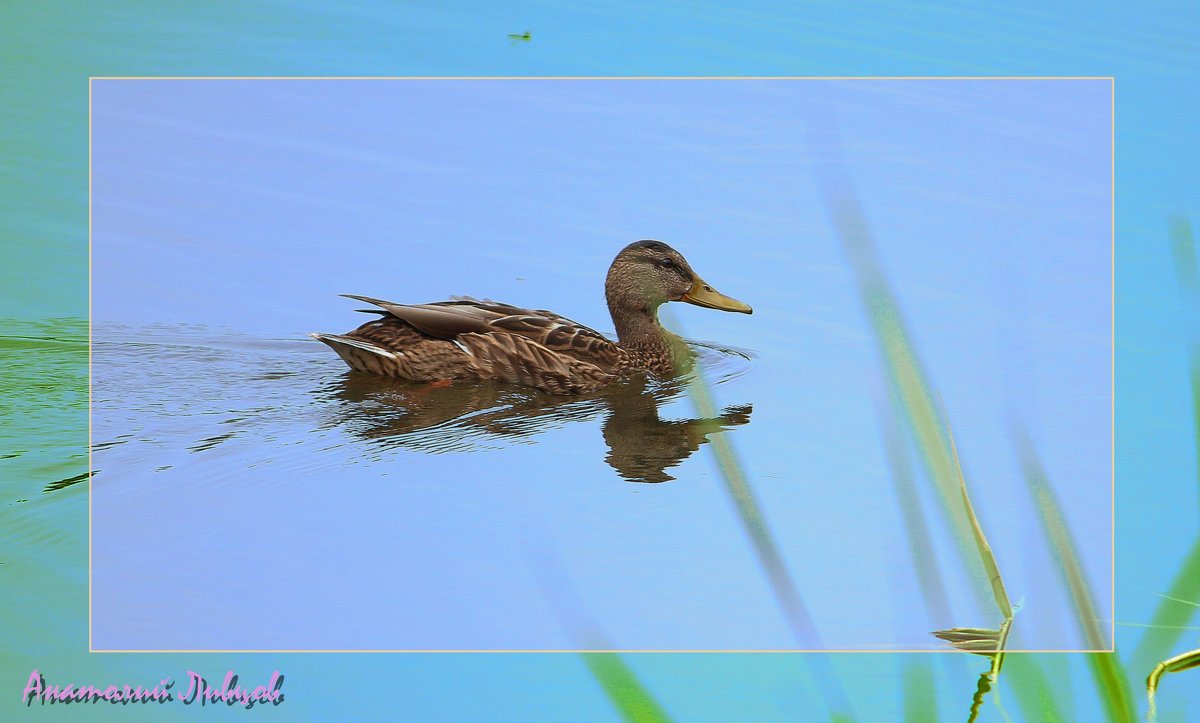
[464, 417]
[642, 446]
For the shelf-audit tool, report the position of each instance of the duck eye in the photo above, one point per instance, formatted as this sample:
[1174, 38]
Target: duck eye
[667, 263]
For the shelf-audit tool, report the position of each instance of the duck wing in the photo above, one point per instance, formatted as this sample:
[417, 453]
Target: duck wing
[520, 360]
[454, 320]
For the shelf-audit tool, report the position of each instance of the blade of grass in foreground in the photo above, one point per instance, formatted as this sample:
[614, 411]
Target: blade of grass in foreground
[1033, 691]
[930, 429]
[920, 697]
[929, 425]
[908, 378]
[627, 694]
[977, 640]
[1107, 672]
[920, 547]
[1183, 245]
[754, 523]
[1174, 611]
[1024, 674]
[985, 550]
[981, 641]
[624, 689]
[781, 581]
[1187, 271]
[1171, 618]
[906, 375]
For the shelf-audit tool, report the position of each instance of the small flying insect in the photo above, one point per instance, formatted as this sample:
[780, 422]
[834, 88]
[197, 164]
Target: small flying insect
[520, 37]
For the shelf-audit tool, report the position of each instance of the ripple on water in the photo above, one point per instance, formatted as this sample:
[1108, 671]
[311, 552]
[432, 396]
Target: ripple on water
[164, 394]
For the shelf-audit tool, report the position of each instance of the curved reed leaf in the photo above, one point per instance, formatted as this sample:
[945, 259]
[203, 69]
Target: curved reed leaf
[1181, 662]
[1107, 671]
[985, 550]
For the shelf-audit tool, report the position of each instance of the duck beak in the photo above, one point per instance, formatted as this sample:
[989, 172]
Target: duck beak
[701, 294]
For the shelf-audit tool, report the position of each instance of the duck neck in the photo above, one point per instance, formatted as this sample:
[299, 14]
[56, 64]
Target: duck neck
[638, 327]
[639, 331]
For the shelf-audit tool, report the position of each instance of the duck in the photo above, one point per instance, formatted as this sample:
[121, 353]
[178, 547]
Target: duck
[468, 339]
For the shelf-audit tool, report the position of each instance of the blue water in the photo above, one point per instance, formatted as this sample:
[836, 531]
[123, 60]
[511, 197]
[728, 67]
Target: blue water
[251, 494]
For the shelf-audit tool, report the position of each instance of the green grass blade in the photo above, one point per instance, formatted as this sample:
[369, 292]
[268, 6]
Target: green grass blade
[1062, 545]
[623, 688]
[754, 523]
[784, 588]
[1171, 617]
[1114, 687]
[1035, 695]
[1032, 689]
[915, 525]
[1107, 672]
[1194, 373]
[1001, 655]
[1183, 245]
[627, 694]
[930, 429]
[985, 550]
[981, 641]
[1187, 271]
[920, 697]
[907, 377]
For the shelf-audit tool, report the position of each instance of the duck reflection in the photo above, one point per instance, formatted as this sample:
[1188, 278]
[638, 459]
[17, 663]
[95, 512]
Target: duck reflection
[468, 416]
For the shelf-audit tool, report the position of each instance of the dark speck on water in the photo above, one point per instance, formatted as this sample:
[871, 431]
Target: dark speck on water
[69, 481]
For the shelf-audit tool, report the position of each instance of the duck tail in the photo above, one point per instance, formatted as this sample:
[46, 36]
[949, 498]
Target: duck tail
[362, 355]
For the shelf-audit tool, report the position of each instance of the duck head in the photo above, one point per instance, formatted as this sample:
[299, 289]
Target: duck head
[647, 274]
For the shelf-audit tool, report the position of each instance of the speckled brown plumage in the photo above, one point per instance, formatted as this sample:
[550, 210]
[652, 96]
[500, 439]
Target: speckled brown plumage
[469, 339]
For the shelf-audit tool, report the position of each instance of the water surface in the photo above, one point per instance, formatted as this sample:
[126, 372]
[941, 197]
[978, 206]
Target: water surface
[250, 493]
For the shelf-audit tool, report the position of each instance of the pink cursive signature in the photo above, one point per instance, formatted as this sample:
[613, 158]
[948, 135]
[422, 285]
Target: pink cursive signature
[230, 694]
[199, 689]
